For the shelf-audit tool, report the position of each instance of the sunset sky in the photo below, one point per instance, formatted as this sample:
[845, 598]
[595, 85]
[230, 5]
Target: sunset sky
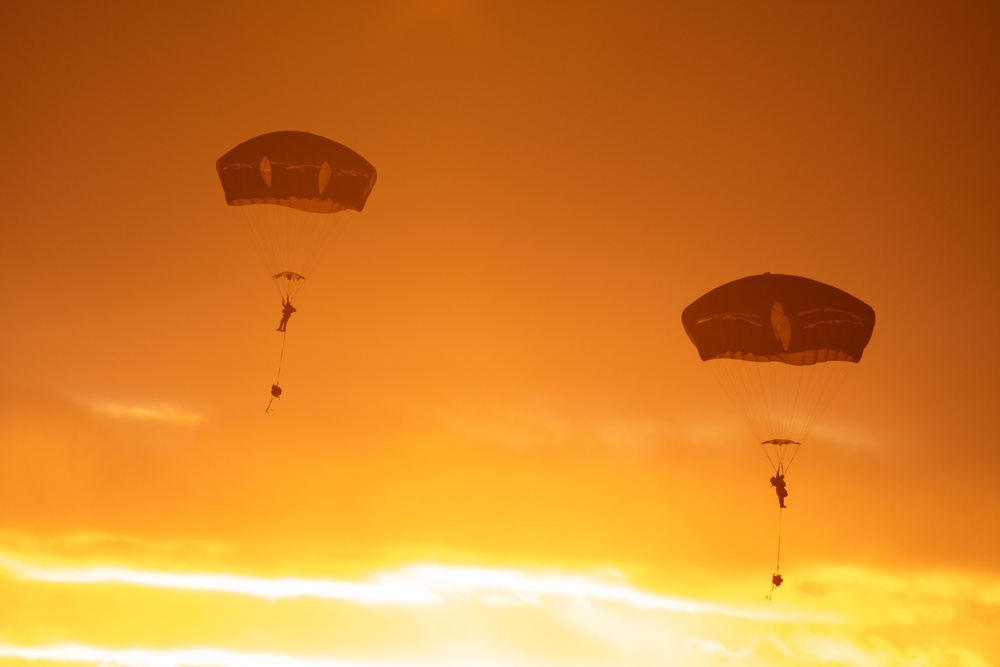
[496, 446]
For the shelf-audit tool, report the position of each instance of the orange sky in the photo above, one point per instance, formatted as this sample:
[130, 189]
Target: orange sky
[496, 445]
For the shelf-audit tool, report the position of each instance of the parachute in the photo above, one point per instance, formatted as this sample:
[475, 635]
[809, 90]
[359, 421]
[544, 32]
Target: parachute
[781, 346]
[286, 184]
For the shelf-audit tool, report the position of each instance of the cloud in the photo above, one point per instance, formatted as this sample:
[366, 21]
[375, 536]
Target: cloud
[383, 588]
[535, 586]
[186, 657]
[516, 429]
[904, 597]
[536, 425]
[146, 413]
[712, 646]
[409, 585]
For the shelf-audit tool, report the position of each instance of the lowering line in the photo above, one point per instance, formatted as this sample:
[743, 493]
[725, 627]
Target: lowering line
[275, 389]
[776, 578]
[777, 564]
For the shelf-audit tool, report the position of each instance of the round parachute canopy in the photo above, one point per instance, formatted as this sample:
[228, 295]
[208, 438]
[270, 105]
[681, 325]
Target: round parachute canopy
[285, 184]
[781, 346]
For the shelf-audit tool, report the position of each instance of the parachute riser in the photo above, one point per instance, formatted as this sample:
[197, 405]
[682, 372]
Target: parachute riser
[775, 398]
[290, 241]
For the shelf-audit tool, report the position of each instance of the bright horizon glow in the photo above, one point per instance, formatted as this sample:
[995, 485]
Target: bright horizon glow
[602, 608]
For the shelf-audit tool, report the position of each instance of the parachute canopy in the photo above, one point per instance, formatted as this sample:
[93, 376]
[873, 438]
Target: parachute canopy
[296, 169]
[774, 342]
[774, 317]
[284, 185]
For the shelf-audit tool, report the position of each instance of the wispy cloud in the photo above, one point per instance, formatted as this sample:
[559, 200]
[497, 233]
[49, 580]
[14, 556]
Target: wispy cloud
[544, 426]
[410, 585]
[148, 413]
[532, 587]
[383, 588]
[905, 597]
[187, 657]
